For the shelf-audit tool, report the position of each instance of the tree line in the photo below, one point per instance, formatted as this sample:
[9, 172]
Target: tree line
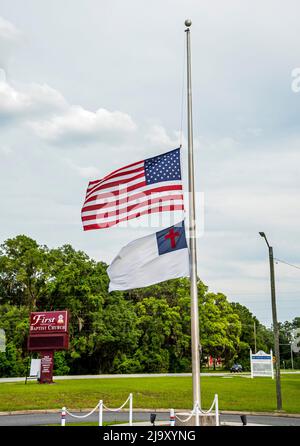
[144, 330]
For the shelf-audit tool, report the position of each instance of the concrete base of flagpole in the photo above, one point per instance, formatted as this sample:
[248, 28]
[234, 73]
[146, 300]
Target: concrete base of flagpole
[204, 420]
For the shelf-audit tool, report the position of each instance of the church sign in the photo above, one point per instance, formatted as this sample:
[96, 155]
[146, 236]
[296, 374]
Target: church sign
[48, 331]
[49, 322]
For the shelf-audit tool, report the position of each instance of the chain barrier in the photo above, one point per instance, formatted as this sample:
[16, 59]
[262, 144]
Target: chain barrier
[198, 411]
[119, 408]
[189, 417]
[101, 406]
[82, 416]
[211, 407]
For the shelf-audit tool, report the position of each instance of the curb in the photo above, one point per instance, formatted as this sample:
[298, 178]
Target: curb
[222, 412]
[268, 414]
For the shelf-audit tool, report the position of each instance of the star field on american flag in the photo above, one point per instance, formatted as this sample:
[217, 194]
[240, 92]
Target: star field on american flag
[164, 167]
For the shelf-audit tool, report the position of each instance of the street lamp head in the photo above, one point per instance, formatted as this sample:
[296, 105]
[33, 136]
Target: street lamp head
[188, 23]
[263, 235]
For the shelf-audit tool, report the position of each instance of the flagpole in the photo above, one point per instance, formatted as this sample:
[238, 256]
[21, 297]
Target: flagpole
[192, 237]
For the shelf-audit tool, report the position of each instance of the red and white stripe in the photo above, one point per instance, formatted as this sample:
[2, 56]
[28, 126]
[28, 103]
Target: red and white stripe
[124, 194]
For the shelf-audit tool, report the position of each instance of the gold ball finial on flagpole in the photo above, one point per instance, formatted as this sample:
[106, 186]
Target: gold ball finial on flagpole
[188, 22]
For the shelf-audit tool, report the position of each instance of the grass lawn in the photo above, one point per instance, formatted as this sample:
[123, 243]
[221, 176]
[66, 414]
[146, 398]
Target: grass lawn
[235, 393]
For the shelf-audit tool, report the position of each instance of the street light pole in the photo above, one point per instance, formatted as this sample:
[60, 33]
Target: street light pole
[275, 323]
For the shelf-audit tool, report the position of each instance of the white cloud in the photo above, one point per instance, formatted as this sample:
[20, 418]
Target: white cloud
[157, 135]
[246, 126]
[76, 123]
[6, 150]
[8, 31]
[10, 37]
[25, 101]
[52, 119]
[42, 95]
[88, 172]
[12, 101]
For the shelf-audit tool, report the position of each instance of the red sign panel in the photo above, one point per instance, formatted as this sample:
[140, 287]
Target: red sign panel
[48, 342]
[48, 322]
[48, 330]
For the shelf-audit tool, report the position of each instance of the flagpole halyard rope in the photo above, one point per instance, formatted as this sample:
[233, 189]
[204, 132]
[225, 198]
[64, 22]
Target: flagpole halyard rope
[182, 96]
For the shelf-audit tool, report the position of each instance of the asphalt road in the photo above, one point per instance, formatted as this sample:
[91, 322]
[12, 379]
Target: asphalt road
[122, 417]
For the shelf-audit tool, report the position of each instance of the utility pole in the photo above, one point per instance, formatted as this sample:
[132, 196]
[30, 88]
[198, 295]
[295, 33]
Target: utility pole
[254, 332]
[275, 323]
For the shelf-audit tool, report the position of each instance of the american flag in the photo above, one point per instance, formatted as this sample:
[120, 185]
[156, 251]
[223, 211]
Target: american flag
[146, 187]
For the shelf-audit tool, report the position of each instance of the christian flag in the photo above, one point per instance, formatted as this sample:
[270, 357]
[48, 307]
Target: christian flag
[145, 187]
[155, 258]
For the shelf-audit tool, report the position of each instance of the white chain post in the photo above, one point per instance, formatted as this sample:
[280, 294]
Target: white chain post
[272, 365]
[100, 413]
[172, 417]
[217, 410]
[130, 410]
[63, 416]
[197, 414]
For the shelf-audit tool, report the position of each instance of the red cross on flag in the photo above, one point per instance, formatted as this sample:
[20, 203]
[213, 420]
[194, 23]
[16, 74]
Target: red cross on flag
[152, 259]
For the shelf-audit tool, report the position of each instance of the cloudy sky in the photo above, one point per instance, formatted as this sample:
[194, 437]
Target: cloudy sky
[87, 86]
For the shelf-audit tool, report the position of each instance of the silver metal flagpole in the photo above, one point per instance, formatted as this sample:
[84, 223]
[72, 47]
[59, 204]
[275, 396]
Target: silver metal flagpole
[192, 237]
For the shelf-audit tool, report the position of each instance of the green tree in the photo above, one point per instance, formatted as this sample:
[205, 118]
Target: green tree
[286, 338]
[252, 332]
[142, 330]
[15, 323]
[160, 326]
[220, 327]
[102, 326]
[23, 271]
[114, 334]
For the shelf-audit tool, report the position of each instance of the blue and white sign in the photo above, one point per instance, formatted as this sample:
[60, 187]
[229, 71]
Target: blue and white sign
[261, 364]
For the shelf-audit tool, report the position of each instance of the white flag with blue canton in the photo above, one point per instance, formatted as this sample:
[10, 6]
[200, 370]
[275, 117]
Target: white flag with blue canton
[151, 259]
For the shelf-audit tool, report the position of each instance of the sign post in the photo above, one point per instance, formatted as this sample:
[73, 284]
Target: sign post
[46, 366]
